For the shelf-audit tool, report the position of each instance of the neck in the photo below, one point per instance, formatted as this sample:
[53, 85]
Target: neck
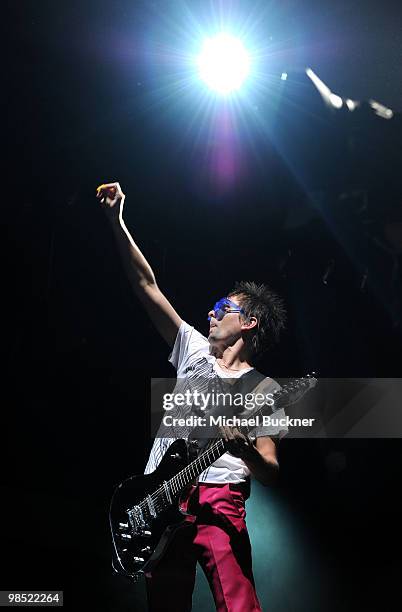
[234, 358]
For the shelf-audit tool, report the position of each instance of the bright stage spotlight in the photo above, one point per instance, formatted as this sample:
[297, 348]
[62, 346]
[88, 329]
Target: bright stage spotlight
[223, 63]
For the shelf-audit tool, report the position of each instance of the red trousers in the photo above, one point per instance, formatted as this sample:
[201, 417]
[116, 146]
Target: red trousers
[218, 539]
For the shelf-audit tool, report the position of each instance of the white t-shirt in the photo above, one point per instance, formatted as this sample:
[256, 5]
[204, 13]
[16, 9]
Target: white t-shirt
[191, 357]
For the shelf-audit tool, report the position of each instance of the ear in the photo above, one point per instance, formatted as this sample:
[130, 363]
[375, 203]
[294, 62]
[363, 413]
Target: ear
[250, 324]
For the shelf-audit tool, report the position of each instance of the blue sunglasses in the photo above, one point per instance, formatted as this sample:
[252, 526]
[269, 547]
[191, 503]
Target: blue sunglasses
[224, 306]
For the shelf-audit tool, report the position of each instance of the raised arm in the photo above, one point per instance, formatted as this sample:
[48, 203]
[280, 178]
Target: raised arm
[139, 272]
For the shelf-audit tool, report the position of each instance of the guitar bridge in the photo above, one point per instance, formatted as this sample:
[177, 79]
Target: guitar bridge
[137, 521]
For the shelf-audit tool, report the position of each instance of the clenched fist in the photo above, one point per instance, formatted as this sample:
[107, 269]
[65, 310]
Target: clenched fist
[111, 198]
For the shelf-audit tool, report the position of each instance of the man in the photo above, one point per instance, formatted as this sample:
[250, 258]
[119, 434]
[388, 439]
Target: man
[242, 325]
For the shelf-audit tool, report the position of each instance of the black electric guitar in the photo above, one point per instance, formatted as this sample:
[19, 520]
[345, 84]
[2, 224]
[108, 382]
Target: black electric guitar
[145, 510]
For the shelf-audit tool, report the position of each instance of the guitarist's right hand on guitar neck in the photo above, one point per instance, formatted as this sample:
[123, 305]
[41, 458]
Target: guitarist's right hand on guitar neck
[139, 272]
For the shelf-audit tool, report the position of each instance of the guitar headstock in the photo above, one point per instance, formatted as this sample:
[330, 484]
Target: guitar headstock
[293, 391]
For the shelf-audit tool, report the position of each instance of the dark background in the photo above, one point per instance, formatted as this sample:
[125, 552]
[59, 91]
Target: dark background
[315, 210]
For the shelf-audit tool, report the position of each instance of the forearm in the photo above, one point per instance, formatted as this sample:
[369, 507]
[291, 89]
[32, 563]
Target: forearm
[143, 283]
[138, 270]
[264, 470]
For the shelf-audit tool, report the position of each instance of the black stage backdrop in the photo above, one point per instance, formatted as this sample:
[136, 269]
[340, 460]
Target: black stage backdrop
[314, 208]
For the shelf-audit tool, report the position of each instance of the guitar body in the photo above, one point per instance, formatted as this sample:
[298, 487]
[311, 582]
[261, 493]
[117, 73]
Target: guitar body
[140, 539]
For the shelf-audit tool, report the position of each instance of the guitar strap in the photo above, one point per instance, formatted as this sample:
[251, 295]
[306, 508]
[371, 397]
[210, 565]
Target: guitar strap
[248, 382]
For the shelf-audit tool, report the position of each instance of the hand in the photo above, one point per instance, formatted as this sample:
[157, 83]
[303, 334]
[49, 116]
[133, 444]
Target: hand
[112, 199]
[237, 444]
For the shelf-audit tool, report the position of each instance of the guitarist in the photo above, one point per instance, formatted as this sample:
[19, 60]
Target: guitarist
[242, 325]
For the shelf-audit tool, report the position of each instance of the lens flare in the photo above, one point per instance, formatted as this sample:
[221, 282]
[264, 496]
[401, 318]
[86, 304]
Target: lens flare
[223, 63]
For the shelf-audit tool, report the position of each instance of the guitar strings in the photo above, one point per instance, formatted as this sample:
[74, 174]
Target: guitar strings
[158, 494]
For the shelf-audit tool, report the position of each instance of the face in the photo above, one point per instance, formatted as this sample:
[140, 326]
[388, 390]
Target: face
[228, 330]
